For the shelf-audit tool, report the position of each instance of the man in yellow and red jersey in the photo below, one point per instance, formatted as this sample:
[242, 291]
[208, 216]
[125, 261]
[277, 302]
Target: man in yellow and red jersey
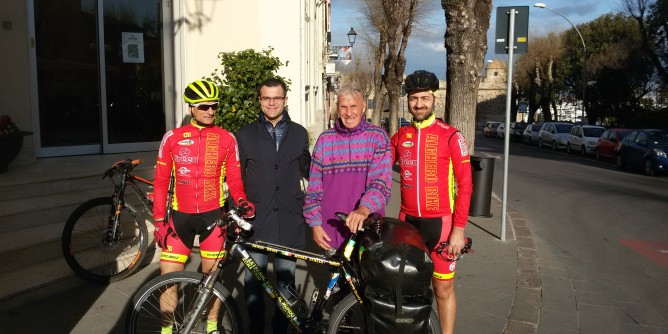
[201, 156]
[436, 186]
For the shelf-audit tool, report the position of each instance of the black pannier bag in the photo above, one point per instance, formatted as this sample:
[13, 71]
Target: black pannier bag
[397, 271]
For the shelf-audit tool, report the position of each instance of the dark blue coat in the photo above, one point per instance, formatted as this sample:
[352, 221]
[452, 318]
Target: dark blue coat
[272, 180]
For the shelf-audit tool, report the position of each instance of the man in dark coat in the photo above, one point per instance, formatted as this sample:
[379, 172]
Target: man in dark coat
[274, 157]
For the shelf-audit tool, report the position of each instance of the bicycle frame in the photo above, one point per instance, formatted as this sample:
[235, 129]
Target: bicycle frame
[127, 178]
[119, 195]
[237, 248]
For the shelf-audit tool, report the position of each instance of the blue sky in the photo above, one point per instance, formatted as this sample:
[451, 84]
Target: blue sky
[427, 51]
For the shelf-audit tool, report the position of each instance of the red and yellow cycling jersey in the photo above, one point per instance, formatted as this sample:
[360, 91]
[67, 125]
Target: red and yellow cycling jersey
[202, 158]
[435, 170]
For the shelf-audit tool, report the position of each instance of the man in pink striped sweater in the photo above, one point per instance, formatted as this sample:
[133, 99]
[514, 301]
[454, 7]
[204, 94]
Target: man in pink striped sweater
[351, 172]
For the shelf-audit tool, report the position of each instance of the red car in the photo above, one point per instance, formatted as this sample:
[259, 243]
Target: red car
[608, 143]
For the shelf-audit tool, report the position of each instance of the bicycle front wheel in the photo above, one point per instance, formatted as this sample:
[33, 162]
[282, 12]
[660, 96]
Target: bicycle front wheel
[348, 317]
[147, 314]
[94, 251]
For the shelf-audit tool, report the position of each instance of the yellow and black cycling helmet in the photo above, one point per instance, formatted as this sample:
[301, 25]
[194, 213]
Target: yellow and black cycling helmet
[421, 80]
[201, 91]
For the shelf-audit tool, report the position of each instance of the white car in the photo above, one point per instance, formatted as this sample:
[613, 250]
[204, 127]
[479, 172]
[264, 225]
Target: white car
[554, 135]
[583, 139]
[501, 130]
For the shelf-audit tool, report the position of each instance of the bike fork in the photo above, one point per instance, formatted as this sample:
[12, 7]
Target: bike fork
[204, 293]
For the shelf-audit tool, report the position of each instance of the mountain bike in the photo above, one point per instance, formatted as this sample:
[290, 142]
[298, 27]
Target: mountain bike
[156, 305]
[106, 239]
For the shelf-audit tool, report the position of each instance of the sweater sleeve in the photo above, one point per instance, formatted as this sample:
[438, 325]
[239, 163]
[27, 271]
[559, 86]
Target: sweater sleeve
[461, 164]
[163, 171]
[379, 178]
[233, 170]
[393, 145]
[313, 197]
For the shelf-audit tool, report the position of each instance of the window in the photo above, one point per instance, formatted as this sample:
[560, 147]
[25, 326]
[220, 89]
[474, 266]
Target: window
[593, 132]
[642, 139]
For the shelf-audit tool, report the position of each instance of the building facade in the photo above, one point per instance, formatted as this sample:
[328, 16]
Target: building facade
[492, 94]
[107, 76]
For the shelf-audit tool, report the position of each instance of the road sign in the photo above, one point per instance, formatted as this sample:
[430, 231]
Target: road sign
[521, 29]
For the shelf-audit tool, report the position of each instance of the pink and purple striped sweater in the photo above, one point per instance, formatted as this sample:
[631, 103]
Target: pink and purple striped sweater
[349, 168]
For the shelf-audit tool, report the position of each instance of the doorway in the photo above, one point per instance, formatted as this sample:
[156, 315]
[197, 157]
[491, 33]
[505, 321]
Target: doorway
[98, 67]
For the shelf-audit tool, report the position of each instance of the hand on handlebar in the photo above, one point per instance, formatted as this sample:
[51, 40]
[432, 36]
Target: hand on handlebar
[356, 218]
[246, 208]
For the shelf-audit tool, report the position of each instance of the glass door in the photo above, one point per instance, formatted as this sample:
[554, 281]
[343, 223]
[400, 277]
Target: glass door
[135, 118]
[98, 76]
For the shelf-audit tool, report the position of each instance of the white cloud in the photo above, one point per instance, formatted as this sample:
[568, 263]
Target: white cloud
[433, 46]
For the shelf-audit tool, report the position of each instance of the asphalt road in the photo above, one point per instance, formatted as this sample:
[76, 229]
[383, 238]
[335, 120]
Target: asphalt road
[600, 231]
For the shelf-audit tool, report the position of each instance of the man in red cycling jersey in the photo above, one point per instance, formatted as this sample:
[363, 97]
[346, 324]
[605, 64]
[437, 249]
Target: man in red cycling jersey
[201, 156]
[436, 186]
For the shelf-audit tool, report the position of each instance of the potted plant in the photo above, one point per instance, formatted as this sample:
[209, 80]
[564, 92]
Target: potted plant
[11, 141]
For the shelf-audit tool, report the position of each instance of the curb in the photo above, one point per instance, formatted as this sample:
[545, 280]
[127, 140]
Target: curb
[524, 314]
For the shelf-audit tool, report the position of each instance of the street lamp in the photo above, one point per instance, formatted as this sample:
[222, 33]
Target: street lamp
[352, 35]
[584, 55]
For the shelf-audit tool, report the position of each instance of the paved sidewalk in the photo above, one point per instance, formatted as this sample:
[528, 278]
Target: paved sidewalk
[498, 288]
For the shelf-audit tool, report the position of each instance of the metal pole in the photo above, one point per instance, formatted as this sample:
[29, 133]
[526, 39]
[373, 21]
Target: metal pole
[506, 137]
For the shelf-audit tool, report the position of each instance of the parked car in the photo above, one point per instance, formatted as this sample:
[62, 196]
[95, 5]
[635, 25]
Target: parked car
[530, 134]
[554, 134]
[583, 139]
[501, 130]
[490, 129]
[607, 144]
[644, 149]
[516, 131]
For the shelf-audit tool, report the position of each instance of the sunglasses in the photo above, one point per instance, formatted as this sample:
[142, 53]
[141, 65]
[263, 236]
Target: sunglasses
[205, 107]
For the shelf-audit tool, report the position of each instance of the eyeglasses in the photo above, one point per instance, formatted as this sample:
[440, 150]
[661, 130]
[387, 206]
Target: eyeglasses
[266, 99]
[454, 258]
[205, 107]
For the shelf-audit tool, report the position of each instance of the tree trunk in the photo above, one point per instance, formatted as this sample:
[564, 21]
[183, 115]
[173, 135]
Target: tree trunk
[467, 22]
[378, 87]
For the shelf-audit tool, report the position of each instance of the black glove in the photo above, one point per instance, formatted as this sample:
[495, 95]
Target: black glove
[246, 208]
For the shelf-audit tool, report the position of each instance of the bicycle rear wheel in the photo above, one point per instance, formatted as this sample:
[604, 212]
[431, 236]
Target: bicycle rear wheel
[91, 248]
[145, 315]
[348, 316]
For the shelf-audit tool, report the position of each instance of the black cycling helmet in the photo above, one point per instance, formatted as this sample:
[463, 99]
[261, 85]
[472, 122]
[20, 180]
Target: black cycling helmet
[201, 91]
[421, 80]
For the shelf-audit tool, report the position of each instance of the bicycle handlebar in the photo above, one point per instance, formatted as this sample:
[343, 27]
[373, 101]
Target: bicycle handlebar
[232, 215]
[123, 166]
[373, 218]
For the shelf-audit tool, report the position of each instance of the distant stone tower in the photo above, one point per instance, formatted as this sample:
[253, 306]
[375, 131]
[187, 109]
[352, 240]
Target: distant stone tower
[492, 94]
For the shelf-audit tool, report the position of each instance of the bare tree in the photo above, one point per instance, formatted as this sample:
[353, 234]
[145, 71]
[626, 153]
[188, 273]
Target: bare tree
[376, 37]
[639, 9]
[467, 22]
[399, 16]
[393, 21]
[536, 73]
